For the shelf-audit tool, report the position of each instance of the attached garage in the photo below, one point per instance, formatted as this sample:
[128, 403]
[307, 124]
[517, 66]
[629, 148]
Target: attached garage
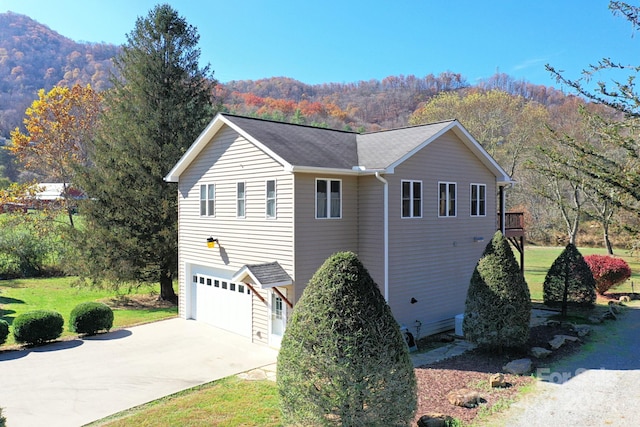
[218, 301]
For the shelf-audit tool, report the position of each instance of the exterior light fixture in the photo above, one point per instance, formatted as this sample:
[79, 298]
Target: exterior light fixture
[413, 300]
[211, 242]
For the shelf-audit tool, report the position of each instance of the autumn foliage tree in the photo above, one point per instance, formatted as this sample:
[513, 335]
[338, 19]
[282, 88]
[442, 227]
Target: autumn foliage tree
[608, 271]
[59, 125]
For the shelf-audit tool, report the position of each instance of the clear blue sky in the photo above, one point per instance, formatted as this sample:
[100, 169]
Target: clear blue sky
[351, 40]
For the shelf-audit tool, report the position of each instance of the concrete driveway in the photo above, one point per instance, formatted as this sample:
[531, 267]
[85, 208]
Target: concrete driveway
[75, 382]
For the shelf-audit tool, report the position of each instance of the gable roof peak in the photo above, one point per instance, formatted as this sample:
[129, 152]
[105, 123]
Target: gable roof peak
[410, 127]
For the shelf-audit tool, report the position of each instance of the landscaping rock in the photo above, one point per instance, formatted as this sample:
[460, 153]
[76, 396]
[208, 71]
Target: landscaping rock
[539, 352]
[582, 330]
[559, 340]
[497, 380]
[596, 320]
[464, 397]
[434, 420]
[518, 367]
[624, 298]
[553, 323]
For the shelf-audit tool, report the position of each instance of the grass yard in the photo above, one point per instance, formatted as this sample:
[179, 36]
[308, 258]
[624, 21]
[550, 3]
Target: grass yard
[538, 260]
[21, 295]
[228, 402]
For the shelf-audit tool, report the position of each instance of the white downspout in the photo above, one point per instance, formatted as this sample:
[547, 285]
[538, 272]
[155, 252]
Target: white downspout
[385, 234]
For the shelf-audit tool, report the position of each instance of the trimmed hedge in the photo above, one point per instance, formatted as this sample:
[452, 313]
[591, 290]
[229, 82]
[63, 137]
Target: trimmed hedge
[37, 327]
[90, 317]
[343, 360]
[608, 271]
[498, 306]
[4, 331]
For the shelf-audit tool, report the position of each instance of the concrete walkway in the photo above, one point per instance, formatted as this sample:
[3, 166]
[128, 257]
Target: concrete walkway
[71, 383]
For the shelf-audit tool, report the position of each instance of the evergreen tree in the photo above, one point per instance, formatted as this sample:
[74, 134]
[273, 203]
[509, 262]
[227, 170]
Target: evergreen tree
[569, 281]
[161, 100]
[498, 306]
[343, 360]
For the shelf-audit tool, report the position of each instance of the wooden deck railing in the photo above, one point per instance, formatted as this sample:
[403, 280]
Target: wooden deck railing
[513, 223]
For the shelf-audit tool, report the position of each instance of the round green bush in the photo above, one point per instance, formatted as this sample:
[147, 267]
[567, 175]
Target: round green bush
[37, 327]
[4, 331]
[90, 317]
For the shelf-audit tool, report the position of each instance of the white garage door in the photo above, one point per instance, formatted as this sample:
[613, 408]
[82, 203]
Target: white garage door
[220, 302]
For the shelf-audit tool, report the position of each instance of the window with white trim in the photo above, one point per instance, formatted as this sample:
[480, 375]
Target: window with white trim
[328, 198]
[411, 199]
[271, 198]
[241, 199]
[207, 200]
[447, 199]
[478, 200]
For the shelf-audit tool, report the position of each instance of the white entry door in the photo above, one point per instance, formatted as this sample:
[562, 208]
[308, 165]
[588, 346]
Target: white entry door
[278, 319]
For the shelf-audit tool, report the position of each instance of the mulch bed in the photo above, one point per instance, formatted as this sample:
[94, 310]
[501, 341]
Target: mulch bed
[473, 369]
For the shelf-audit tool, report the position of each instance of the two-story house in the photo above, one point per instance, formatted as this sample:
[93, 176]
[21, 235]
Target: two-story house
[262, 204]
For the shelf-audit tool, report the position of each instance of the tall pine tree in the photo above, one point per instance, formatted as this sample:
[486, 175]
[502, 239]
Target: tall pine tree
[160, 102]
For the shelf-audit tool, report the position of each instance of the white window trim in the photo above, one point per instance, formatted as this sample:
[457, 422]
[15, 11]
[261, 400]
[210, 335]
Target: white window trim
[315, 193]
[206, 200]
[448, 199]
[212, 212]
[202, 189]
[275, 199]
[238, 199]
[411, 198]
[478, 201]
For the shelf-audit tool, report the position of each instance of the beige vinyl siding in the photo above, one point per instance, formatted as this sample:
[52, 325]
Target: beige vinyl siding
[432, 258]
[317, 239]
[226, 160]
[260, 321]
[371, 227]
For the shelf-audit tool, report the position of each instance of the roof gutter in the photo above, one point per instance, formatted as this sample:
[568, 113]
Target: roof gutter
[385, 242]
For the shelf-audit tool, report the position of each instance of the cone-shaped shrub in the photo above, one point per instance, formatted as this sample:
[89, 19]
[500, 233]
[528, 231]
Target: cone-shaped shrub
[90, 317]
[569, 281]
[343, 360]
[608, 271]
[498, 306]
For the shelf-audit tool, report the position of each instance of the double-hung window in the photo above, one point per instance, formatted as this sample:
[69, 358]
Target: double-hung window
[207, 200]
[328, 198]
[241, 199]
[271, 199]
[447, 199]
[478, 200]
[411, 199]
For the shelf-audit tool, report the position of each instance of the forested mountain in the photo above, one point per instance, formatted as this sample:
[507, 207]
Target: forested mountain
[33, 57]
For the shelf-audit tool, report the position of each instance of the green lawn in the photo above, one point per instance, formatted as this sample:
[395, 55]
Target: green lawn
[22, 295]
[229, 402]
[538, 260]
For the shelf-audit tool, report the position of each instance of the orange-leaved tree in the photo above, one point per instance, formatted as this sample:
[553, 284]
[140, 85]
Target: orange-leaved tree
[58, 125]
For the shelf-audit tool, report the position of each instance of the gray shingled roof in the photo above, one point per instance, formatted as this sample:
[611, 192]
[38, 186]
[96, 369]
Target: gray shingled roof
[267, 274]
[303, 145]
[379, 150]
[328, 148]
